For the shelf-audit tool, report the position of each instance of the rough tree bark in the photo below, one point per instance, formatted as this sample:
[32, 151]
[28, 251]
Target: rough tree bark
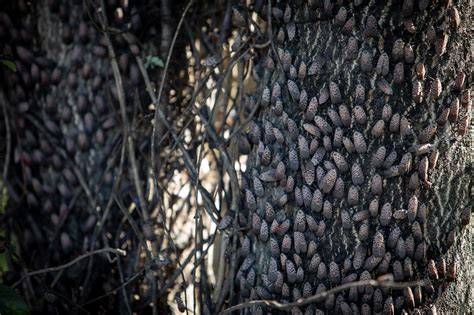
[359, 157]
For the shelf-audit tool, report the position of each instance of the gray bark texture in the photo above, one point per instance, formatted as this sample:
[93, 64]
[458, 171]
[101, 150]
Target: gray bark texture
[359, 158]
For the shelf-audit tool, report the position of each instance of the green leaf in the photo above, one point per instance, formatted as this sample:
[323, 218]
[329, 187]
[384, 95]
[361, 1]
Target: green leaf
[11, 303]
[153, 61]
[9, 64]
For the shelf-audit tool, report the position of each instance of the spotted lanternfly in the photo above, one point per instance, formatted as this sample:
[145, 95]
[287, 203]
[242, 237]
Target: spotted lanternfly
[348, 26]
[463, 126]
[414, 182]
[374, 207]
[401, 248]
[412, 208]
[384, 86]
[441, 267]
[393, 237]
[348, 145]
[385, 214]
[283, 228]
[363, 232]
[311, 109]
[239, 18]
[378, 245]
[334, 273]
[338, 135]
[432, 271]
[416, 231]
[427, 134]
[318, 156]
[360, 216]
[459, 81]
[466, 216]
[378, 157]
[466, 99]
[334, 93]
[382, 67]
[286, 244]
[417, 91]
[180, 303]
[420, 252]
[386, 113]
[322, 271]
[340, 17]
[357, 174]
[366, 61]
[377, 129]
[312, 224]
[327, 209]
[312, 247]
[312, 130]
[302, 71]
[298, 196]
[338, 191]
[398, 73]
[293, 73]
[226, 220]
[398, 50]
[384, 264]
[371, 262]
[359, 142]
[371, 27]
[405, 163]
[334, 116]
[290, 272]
[277, 12]
[308, 173]
[278, 108]
[409, 54]
[250, 200]
[340, 161]
[323, 125]
[352, 48]
[376, 185]
[293, 159]
[400, 214]
[451, 272]
[395, 123]
[291, 30]
[345, 115]
[420, 71]
[390, 159]
[307, 196]
[287, 14]
[353, 196]
[313, 146]
[405, 127]
[436, 89]
[441, 44]
[359, 115]
[299, 242]
[443, 117]
[359, 256]
[454, 17]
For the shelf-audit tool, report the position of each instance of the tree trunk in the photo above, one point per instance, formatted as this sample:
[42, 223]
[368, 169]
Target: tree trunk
[360, 159]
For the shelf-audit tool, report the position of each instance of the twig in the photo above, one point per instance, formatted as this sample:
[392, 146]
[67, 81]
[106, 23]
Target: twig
[318, 297]
[115, 251]
[156, 101]
[8, 142]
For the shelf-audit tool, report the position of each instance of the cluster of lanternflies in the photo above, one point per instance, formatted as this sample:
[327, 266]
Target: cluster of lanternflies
[315, 173]
[62, 114]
